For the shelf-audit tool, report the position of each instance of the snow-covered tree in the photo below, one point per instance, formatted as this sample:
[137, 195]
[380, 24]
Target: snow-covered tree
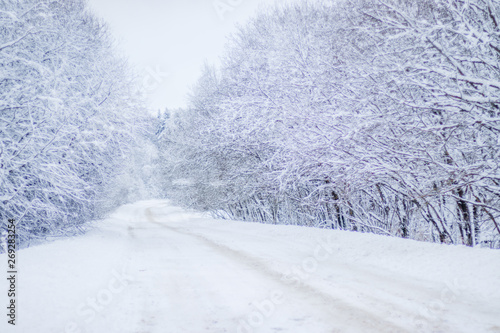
[66, 114]
[376, 116]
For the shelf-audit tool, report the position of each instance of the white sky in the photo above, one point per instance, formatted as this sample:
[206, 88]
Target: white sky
[168, 41]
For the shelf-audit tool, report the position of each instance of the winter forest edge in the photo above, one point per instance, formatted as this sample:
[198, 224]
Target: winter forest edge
[364, 115]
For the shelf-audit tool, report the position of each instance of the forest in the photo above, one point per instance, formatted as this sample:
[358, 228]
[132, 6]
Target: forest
[70, 119]
[371, 116]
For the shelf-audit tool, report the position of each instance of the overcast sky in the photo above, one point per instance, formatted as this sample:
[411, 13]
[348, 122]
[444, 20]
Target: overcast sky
[167, 41]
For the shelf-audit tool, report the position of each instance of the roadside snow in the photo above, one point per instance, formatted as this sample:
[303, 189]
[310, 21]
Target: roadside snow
[152, 267]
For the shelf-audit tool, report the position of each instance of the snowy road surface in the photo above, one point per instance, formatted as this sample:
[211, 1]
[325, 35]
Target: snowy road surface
[155, 268]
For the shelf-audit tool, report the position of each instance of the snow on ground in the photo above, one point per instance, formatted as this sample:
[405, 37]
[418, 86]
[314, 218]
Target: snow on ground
[155, 268]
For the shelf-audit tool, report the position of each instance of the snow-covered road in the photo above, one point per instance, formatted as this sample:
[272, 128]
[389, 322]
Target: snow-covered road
[155, 268]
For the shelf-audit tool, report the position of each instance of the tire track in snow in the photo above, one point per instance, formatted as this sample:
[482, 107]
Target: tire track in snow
[336, 308]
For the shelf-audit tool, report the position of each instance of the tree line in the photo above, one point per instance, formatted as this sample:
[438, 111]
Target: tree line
[69, 118]
[375, 116]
